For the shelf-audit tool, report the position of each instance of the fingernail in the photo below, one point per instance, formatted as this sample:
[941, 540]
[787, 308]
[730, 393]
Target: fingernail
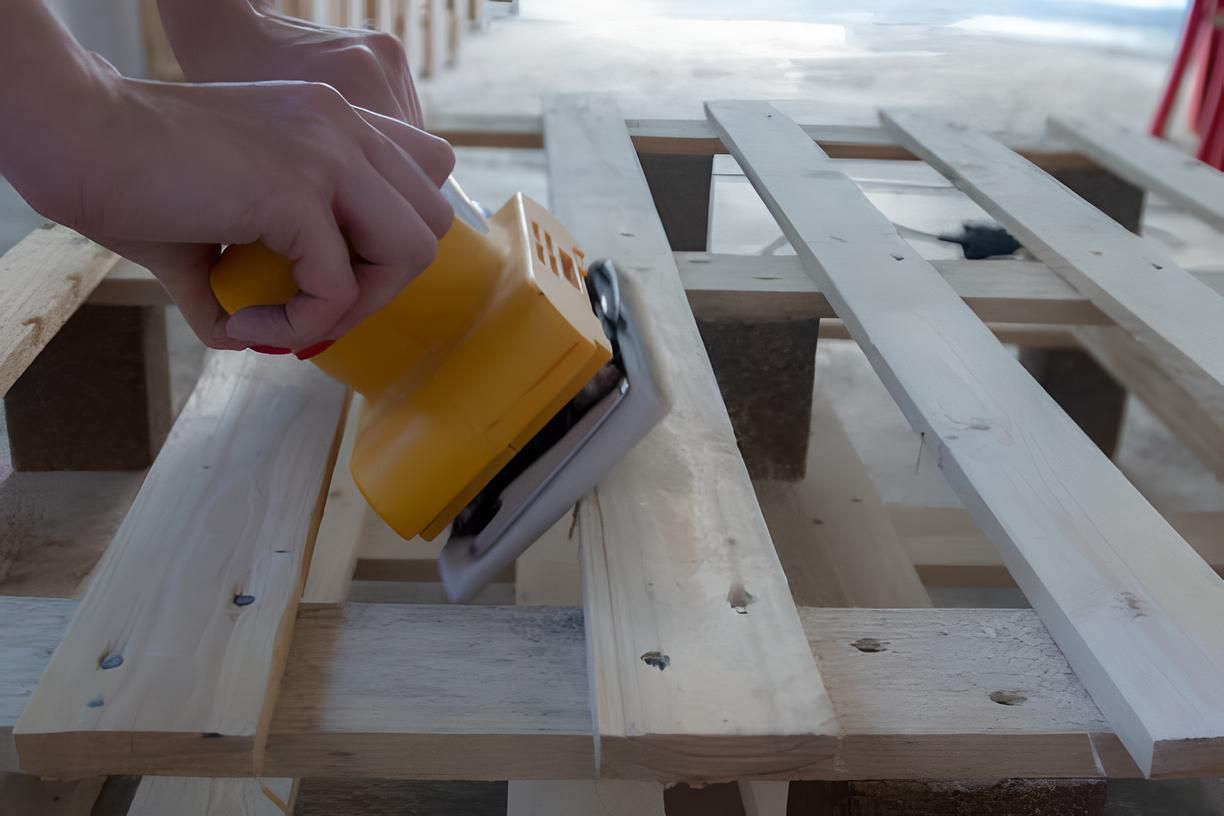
[311, 351]
[270, 349]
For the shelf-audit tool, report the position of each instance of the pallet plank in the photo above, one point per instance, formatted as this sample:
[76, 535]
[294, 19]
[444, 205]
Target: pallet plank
[1130, 279]
[160, 796]
[378, 691]
[1153, 164]
[344, 517]
[682, 582]
[43, 279]
[1125, 597]
[183, 630]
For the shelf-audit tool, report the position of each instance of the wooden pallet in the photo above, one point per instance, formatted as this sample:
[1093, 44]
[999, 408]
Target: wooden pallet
[707, 648]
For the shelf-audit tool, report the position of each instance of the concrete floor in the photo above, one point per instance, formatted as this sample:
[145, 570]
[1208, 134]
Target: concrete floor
[1094, 59]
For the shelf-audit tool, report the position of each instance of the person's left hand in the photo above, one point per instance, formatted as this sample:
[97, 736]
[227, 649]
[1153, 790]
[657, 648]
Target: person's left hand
[232, 42]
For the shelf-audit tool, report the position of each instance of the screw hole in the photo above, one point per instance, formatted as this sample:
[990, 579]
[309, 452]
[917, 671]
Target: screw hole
[870, 645]
[656, 660]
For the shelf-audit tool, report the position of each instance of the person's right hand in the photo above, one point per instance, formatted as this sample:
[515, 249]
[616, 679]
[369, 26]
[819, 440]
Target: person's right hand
[167, 174]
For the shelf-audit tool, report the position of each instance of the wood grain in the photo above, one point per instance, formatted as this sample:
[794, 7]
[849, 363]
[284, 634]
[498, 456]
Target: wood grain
[42, 281]
[681, 580]
[1123, 594]
[182, 633]
[163, 796]
[344, 517]
[452, 692]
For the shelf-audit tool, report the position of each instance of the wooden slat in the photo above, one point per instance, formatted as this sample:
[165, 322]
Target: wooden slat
[949, 549]
[776, 287]
[163, 796]
[1153, 164]
[1130, 279]
[681, 580]
[42, 281]
[184, 627]
[451, 692]
[344, 517]
[1125, 597]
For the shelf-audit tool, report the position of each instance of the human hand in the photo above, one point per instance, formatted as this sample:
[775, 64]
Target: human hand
[231, 41]
[166, 174]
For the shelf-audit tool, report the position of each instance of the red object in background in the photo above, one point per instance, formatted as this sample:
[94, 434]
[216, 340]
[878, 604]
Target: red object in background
[1202, 42]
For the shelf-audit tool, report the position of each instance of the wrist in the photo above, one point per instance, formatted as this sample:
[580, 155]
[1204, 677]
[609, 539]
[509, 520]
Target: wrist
[55, 123]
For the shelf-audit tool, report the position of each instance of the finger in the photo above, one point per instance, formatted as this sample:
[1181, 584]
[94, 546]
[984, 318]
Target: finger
[389, 259]
[395, 65]
[434, 156]
[189, 288]
[407, 179]
[364, 82]
[324, 275]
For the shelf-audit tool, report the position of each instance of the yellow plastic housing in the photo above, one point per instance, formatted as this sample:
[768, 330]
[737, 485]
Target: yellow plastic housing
[459, 371]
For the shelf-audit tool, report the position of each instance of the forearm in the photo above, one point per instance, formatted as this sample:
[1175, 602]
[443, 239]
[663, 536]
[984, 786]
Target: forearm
[50, 94]
[198, 29]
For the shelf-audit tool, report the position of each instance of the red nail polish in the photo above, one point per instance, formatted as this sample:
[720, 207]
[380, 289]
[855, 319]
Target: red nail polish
[311, 351]
[270, 349]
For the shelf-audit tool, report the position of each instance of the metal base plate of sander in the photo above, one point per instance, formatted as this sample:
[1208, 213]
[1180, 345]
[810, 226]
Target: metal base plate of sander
[566, 460]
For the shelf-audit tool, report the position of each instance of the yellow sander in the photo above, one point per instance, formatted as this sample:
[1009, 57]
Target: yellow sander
[500, 385]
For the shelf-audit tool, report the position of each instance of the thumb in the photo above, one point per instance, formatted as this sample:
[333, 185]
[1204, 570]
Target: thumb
[183, 270]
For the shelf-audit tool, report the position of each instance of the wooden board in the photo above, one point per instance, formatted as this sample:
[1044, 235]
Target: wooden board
[681, 580]
[1130, 279]
[42, 281]
[453, 692]
[164, 796]
[182, 633]
[344, 517]
[1125, 597]
[1153, 164]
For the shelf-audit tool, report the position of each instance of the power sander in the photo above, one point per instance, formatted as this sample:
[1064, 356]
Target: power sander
[500, 385]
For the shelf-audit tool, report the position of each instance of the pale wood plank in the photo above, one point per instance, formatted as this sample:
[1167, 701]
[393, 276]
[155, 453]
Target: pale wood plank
[673, 542]
[453, 692]
[42, 281]
[764, 798]
[776, 287]
[946, 537]
[1182, 400]
[183, 630]
[549, 574]
[25, 795]
[344, 517]
[1124, 595]
[163, 796]
[1154, 164]
[1132, 280]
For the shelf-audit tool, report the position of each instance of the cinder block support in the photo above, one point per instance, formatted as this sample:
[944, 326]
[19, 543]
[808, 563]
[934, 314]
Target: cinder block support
[97, 397]
[764, 368]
